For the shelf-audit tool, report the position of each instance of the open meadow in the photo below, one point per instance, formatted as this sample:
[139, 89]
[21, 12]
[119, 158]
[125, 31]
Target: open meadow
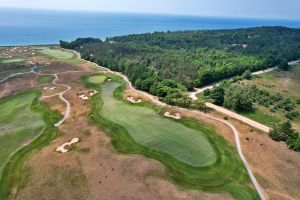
[283, 84]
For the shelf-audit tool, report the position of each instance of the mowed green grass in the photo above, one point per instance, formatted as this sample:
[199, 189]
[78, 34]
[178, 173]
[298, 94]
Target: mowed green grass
[25, 125]
[194, 155]
[263, 116]
[157, 132]
[97, 79]
[56, 53]
[45, 79]
[13, 60]
[18, 124]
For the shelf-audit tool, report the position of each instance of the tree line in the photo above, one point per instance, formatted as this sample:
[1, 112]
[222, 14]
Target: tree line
[168, 64]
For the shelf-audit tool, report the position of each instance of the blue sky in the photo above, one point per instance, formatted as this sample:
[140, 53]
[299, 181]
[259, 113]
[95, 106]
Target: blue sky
[279, 9]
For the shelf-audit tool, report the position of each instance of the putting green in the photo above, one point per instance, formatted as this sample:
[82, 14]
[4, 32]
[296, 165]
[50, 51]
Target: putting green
[56, 53]
[97, 79]
[18, 124]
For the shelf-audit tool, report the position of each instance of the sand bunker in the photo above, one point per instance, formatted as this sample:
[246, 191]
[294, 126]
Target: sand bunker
[50, 88]
[92, 93]
[86, 94]
[176, 116]
[83, 96]
[62, 147]
[132, 100]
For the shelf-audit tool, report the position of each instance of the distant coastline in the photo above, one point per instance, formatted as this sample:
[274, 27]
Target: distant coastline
[34, 27]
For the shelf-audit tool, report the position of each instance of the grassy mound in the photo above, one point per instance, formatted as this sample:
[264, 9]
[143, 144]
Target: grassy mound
[194, 155]
[23, 119]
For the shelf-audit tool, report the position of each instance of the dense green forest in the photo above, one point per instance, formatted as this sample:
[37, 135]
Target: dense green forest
[167, 64]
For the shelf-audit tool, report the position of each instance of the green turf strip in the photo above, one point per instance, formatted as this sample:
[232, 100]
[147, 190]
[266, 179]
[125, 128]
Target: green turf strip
[56, 53]
[18, 124]
[13, 60]
[194, 155]
[23, 119]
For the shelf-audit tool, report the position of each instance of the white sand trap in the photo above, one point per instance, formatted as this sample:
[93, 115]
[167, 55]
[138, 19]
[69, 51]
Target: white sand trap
[176, 116]
[46, 88]
[93, 93]
[62, 147]
[52, 88]
[132, 100]
[83, 96]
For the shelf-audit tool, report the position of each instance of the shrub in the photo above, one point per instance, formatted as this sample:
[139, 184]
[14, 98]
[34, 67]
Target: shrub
[247, 75]
[283, 132]
[237, 97]
[292, 114]
[288, 107]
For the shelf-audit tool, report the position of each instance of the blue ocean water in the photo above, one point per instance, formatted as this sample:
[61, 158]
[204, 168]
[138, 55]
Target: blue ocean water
[25, 26]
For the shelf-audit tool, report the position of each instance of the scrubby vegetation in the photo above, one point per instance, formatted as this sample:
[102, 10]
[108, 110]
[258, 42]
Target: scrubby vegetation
[241, 97]
[174, 62]
[284, 132]
[246, 98]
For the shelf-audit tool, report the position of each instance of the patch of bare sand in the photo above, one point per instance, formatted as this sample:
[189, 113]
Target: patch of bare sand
[132, 93]
[172, 115]
[133, 99]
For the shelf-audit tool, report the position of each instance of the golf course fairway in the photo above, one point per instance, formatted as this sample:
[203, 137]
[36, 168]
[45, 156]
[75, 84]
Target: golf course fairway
[194, 155]
[26, 124]
[18, 123]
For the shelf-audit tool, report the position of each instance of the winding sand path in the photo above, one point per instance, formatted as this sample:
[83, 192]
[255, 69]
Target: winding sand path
[60, 95]
[235, 132]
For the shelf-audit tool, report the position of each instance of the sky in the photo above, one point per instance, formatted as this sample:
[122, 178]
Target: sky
[272, 9]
